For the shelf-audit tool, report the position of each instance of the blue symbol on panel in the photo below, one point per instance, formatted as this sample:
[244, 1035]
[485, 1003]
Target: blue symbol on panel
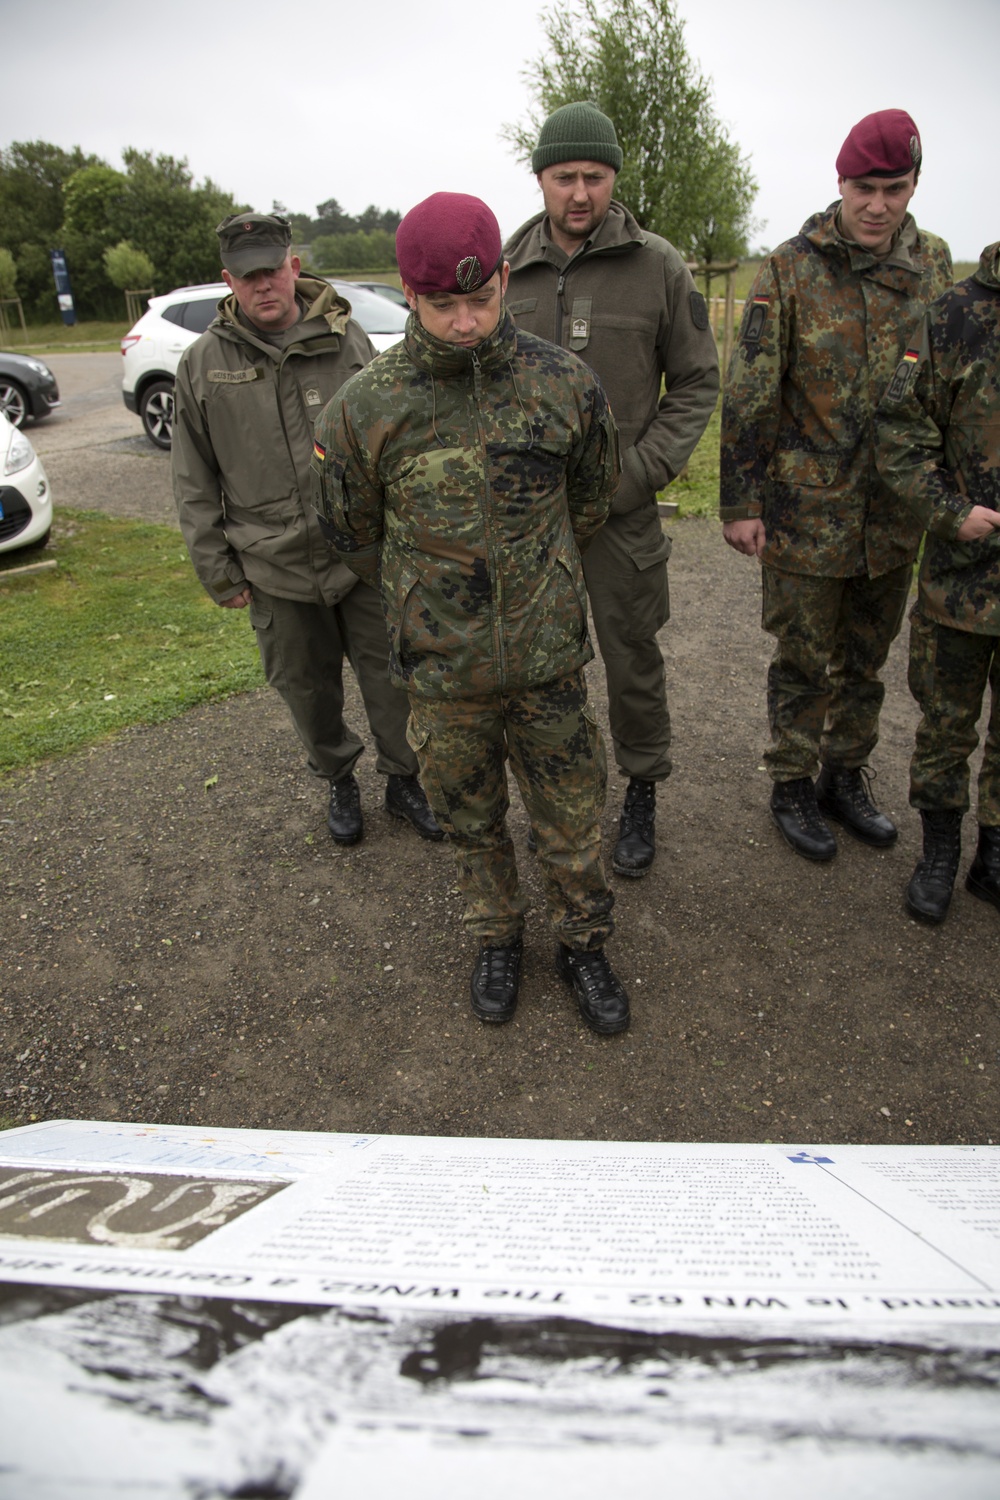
[806, 1158]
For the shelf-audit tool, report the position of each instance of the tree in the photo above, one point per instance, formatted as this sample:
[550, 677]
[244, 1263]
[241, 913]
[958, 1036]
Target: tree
[128, 268]
[8, 274]
[682, 176]
[33, 175]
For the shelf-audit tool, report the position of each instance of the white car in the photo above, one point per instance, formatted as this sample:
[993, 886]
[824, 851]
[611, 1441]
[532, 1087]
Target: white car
[25, 501]
[151, 350]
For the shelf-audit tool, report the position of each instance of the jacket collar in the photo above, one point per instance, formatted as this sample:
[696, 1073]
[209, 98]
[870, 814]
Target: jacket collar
[618, 230]
[448, 361]
[988, 271]
[823, 231]
[321, 302]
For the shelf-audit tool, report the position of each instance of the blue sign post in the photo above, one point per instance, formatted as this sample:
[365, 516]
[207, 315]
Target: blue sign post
[64, 291]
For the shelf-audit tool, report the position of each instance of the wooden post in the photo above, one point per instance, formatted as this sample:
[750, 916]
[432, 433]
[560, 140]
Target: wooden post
[133, 304]
[5, 319]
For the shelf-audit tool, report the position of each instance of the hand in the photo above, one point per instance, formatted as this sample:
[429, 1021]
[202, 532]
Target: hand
[238, 601]
[978, 523]
[746, 536]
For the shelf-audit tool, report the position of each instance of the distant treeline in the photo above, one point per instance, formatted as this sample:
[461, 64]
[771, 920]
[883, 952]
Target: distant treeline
[150, 225]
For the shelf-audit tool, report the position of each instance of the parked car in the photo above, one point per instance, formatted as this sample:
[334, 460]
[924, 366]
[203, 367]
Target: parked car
[27, 388]
[25, 501]
[385, 289]
[151, 350]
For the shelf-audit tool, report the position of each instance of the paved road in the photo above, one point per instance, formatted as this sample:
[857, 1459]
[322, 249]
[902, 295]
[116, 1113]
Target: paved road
[95, 452]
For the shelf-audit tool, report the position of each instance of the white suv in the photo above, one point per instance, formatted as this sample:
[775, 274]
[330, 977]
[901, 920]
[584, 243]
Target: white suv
[151, 350]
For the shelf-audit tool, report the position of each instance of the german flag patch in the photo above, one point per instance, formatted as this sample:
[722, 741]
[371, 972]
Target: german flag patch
[901, 379]
[319, 452]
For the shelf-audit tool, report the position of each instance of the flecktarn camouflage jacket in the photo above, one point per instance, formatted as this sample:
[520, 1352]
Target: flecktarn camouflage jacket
[939, 446]
[823, 328]
[464, 482]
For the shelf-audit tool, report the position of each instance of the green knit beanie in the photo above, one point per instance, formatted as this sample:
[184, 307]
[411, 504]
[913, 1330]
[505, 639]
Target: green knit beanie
[577, 132]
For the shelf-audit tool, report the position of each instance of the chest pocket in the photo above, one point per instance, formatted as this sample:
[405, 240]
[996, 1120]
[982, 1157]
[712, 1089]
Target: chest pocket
[525, 305]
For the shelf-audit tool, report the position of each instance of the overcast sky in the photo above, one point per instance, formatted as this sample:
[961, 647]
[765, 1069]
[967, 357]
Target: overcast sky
[386, 103]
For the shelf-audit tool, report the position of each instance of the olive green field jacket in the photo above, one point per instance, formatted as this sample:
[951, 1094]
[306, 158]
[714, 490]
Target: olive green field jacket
[244, 413]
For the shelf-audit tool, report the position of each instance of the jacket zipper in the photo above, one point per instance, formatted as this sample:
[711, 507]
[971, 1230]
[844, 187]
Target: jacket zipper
[501, 653]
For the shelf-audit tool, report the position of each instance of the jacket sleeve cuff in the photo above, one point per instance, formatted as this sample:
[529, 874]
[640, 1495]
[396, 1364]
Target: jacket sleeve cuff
[748, 511]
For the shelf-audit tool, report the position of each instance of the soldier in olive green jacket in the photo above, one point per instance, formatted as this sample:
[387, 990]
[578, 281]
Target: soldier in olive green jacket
[461, 473]
[939, 449]
[585, 275]
[247, 395]
[825, 323]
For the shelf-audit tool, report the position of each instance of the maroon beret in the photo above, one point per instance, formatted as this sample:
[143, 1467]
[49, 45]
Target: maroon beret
[885, 144]
[448, 243]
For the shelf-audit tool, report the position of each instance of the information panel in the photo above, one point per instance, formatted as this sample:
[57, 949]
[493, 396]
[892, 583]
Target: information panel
[190, 1313]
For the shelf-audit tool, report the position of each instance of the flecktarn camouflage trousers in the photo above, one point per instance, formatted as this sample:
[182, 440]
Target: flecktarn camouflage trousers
[824, 693]
[949, 673]
[557, 754]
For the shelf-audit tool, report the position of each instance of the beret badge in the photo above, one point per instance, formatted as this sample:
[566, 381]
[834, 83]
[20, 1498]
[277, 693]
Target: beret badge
[469, 273]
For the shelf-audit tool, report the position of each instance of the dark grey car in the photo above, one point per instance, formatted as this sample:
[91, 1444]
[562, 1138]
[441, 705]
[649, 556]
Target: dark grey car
[27, 388]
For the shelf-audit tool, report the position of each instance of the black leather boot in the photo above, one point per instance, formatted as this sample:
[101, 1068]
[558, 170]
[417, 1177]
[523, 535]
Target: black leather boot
[496, 980]
[846, 796]
[600, 994]
[405, 798]
[928, 894]
[795, 811]
[983, 879]
[636, 846]
[344, 816]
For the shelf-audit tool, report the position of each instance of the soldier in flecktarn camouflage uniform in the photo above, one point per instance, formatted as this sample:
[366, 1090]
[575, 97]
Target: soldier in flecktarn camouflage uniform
[825, 324]
[939, 448]
[463, 471]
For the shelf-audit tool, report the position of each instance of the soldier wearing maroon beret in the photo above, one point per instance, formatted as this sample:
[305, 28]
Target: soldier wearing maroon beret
[824, 327]
[462, 474]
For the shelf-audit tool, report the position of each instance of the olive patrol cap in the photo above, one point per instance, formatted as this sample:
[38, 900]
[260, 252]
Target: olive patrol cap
[253, 242]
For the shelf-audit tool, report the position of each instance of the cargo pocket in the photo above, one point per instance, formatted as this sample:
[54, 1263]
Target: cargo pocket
[599, 757]
[420, 739]
[650, 603]
[923, 651]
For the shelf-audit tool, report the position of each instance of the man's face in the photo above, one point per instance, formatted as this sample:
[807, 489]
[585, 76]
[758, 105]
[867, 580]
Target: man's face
[268, 297]
[462, 318]
[577, 198]
[873, 208]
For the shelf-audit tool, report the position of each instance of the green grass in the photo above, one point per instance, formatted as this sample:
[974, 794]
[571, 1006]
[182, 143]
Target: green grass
[119, 633]
[56, 338]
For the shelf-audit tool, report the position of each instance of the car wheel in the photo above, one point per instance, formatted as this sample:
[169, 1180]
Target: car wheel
[13, 402]
[156, 408]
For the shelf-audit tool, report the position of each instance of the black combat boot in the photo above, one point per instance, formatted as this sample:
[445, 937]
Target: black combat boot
[846, 796]
[932, 882]
[495, 982]
[636, 846]
[983, 879]
[344, 816]
[794, 809]
[405, 798]
[600, 994]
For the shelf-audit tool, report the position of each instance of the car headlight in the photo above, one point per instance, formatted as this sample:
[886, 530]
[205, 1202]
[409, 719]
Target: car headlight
[19, 455]
[38, 367]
